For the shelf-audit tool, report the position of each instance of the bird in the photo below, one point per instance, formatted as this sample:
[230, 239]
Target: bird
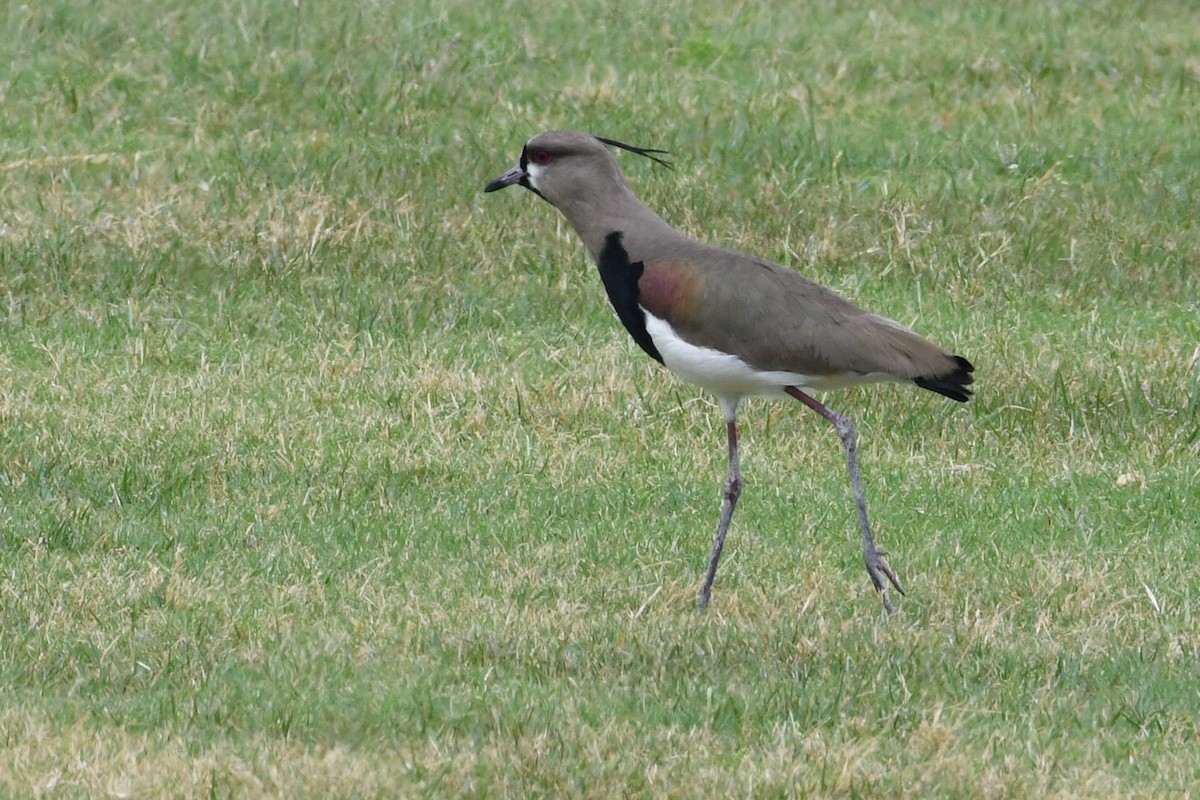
[733, 324]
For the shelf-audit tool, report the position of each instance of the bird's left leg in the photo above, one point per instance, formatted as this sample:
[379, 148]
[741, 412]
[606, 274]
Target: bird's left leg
[874, 558]
[733, 490]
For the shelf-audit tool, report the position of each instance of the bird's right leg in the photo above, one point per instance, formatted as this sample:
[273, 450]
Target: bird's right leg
[873, 557]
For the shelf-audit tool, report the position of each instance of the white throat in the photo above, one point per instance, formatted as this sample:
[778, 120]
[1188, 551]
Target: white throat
[535, 172]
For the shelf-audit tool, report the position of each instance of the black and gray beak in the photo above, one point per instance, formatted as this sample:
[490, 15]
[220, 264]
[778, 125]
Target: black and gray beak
[515, 175]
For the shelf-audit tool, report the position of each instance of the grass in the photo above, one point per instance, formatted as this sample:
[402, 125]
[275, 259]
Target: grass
[323, 474]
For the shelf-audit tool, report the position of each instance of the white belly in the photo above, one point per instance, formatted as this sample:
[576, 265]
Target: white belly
[729, 377]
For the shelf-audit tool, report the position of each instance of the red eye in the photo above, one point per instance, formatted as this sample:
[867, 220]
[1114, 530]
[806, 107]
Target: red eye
[542, 158]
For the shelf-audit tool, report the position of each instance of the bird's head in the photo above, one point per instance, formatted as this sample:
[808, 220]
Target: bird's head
[564, 167]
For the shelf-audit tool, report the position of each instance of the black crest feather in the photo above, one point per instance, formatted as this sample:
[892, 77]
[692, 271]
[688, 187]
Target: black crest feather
[646, 152]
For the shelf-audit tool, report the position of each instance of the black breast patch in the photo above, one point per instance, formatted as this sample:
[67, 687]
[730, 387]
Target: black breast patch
[621, 282]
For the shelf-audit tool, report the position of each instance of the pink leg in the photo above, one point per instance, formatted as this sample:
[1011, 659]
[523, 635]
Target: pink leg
[877, 567]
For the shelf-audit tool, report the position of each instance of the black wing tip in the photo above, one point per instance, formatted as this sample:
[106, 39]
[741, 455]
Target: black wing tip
[952, 384]
[645, 152]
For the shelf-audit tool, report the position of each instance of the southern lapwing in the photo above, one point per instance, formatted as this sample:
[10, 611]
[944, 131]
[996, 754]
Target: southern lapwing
[730, 323]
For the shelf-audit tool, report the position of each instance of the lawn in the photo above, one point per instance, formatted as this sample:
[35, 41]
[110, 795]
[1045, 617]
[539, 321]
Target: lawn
[323, 474]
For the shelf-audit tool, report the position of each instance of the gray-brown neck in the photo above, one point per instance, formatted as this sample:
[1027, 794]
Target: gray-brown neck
[604, 204]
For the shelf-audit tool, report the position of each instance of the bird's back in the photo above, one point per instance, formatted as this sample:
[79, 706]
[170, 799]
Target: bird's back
[774, 318]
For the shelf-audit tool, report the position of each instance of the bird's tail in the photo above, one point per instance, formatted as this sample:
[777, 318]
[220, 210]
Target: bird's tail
[953, 382]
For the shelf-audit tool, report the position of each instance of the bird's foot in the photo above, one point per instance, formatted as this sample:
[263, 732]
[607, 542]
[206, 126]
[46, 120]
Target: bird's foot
[879, 570]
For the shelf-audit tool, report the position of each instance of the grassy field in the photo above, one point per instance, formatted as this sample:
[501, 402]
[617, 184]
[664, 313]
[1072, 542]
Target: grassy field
[324, 475]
